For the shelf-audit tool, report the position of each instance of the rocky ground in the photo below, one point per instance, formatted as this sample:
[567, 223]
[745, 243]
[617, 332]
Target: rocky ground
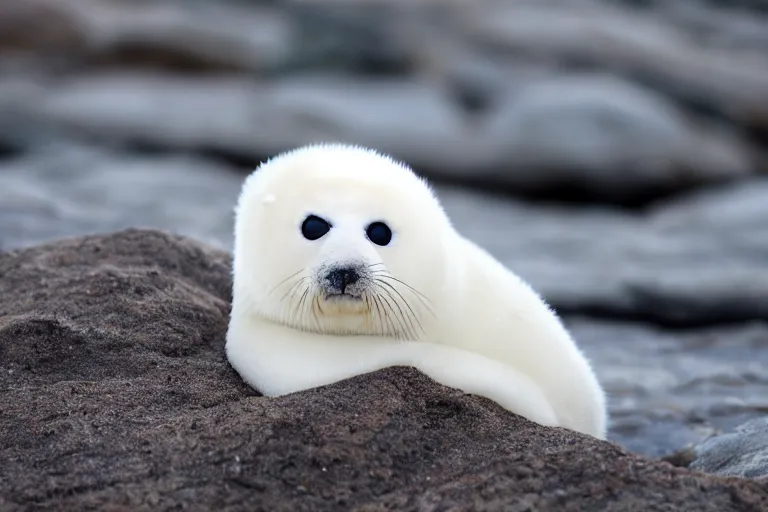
[614, 154]
[117, 395]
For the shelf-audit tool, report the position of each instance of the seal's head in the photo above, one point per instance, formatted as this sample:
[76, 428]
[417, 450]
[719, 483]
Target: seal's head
[340, 240]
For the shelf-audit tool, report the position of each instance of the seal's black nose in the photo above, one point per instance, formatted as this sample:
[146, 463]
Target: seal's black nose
[340, 278]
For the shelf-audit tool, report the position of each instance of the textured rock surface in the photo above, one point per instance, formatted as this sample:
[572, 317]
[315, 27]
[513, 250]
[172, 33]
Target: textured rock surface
[116, 393]
[743, 452]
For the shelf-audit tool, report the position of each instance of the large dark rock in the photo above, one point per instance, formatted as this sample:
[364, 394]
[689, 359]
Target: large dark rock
[116, 392]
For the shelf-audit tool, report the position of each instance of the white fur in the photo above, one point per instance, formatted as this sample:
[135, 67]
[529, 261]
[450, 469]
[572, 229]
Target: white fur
[459, 316]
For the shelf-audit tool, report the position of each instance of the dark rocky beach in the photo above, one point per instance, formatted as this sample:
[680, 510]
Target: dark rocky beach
[613, 154]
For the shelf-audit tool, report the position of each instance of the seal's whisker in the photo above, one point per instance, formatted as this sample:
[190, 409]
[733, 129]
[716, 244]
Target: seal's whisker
[302, 307]
[387, 324]
[382, 317]
[420, 296]
[388, 314]
[294, 286]
[368, 300]
[291, 295]
[299, 288]
[407, 318]
[283, 281]
[387, 275]
[400, 329]
[316, 312]
[413, 317]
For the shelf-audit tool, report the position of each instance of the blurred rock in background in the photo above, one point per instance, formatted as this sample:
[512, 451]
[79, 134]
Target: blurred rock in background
[612, 153]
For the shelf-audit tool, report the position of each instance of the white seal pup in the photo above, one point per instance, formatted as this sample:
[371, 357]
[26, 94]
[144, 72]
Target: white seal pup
[345, 263]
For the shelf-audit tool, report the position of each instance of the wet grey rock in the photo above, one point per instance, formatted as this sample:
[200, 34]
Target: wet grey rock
[743, 452]
[598, 135]
[641, 44]
[577, 130]
[674, 265]
[669, 389]
[584, 99]
[165, 34]
[732, 29]
[70, 190]
[239, 116]
[21, 128]
[356, 37]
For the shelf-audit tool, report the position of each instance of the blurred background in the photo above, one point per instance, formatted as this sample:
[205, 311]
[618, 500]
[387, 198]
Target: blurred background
[614, 154]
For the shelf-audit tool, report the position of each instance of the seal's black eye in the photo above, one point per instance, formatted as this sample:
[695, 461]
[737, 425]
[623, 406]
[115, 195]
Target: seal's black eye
[379, 233]
[314, 227]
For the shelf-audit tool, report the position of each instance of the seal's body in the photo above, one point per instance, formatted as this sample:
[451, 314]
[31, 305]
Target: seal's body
[345, 263]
